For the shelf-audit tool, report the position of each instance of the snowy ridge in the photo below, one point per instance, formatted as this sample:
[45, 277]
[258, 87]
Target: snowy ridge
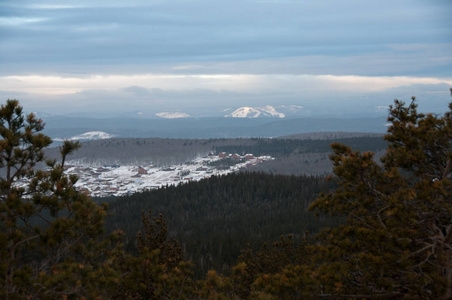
[172, 115]
[91, 135]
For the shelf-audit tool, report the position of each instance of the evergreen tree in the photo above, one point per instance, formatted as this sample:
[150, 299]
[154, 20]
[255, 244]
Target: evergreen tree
[49, 232]
[397, 240]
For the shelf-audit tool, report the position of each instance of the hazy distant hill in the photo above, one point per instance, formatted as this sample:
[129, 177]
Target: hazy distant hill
[65, 127]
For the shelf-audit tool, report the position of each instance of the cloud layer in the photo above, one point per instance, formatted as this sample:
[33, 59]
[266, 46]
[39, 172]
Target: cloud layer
[83, 54]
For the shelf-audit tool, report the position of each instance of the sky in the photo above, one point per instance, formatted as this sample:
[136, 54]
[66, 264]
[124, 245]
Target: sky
[200, 56]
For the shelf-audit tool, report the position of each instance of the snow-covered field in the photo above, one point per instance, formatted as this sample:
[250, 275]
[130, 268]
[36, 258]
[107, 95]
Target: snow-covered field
[114, 180]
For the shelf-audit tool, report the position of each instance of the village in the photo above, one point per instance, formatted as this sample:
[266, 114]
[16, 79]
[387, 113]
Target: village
[116, 180]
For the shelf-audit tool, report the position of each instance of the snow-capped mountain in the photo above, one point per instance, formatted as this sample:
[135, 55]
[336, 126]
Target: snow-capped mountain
[91, 135]
[255, 112]
[172, 115]
[280, 111]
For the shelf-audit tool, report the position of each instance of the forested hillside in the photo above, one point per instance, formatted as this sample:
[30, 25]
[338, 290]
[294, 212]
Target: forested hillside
[301, 155]
[304, 154]
[214, 219]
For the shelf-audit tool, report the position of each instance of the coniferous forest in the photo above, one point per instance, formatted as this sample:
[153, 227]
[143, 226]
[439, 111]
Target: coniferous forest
[216, 218]
[376, 229]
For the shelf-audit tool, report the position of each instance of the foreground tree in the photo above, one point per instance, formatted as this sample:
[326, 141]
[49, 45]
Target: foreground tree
[49, 232]
[397, 239]
[52, 243]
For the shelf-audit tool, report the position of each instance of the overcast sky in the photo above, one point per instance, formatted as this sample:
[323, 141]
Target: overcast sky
[70, 56]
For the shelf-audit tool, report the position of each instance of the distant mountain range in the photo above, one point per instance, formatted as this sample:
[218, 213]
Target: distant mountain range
[63, 127]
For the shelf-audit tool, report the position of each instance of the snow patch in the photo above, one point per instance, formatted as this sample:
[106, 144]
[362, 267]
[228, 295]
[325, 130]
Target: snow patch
[272, 111]
[172, 115]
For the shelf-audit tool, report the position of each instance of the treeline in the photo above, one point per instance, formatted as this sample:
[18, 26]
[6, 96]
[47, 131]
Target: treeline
[285, 147]
[214, 219]
[300, 155]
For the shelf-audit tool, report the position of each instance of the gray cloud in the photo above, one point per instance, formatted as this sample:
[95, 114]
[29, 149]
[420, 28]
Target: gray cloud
[108, 35]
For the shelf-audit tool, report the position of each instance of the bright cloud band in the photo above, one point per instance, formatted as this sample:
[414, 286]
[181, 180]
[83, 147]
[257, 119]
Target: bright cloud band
[54, 85]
